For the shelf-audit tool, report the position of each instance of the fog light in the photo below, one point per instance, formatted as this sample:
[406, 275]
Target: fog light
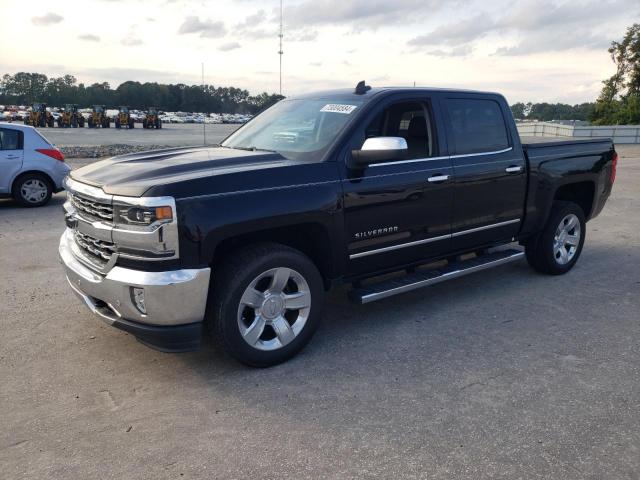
[137, 294]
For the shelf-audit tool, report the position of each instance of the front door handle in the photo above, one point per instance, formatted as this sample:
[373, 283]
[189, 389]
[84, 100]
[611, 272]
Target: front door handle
[438, 178]
[514, 169]
[13, 157]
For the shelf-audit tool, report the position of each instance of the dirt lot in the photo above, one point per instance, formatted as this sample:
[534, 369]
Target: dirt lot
[169, 135]
[503, 374]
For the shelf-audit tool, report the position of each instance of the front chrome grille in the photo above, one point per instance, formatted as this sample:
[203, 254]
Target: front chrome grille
[93, 209]
[98, 249]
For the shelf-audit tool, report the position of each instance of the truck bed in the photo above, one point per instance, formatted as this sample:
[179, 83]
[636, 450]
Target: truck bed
[538, 147]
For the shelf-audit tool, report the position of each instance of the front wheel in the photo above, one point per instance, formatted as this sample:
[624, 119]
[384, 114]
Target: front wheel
[556, 250]
[266, 303]
[32, 190]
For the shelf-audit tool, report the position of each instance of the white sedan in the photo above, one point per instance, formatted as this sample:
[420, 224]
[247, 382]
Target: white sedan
[31, 168]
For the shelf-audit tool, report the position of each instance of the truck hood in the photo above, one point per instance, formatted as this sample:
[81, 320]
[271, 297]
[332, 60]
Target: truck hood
[134, 174]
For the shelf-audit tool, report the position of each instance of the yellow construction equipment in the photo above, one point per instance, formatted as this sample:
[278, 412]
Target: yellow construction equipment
[70, 117]
[99, 117]
[39, 116]
[124, 119]
[152, 119]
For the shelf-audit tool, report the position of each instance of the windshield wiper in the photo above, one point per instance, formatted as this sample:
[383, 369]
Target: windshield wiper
[255, 149]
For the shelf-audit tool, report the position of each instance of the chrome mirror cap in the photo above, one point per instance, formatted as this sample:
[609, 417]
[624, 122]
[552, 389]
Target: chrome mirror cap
[384, 143]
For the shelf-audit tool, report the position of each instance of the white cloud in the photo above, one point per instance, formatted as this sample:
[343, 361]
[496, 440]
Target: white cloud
[206, 28]
[47, 19]
[88, 37]
[226, 47]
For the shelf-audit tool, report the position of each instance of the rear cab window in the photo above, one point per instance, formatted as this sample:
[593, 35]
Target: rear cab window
[10, 139]
[476, 126]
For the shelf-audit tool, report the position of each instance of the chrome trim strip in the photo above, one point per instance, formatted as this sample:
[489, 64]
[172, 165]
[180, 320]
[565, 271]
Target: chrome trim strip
[430, 240]
[479, 154]
[484, 227]
[447, 276]
[414, 160]
[399, 246]
[446, 157]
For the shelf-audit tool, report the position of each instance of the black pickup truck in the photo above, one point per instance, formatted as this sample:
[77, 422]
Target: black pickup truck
[387, 189]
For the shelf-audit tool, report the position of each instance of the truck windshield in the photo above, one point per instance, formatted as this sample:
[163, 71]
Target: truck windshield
[296, 129]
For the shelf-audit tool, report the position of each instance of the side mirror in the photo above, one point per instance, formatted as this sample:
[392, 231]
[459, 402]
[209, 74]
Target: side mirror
[378, 150]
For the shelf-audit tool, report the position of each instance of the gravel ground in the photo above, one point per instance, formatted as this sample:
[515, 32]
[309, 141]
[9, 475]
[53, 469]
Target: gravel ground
[503, 374]
[173, 134]
[98, 142]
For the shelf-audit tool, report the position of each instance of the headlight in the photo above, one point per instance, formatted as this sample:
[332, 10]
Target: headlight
[143, 215]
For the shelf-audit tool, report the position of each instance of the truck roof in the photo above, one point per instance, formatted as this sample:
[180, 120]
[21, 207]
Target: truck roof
[375, 91]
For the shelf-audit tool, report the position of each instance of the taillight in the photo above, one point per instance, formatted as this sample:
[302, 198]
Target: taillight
[51, 152]
[614, 166]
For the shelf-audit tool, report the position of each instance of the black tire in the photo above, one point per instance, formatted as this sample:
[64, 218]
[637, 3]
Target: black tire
[18, 193]
[235, 276]
[541, 250]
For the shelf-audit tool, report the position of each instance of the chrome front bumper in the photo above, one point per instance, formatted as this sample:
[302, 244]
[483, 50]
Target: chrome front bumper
[175, 297]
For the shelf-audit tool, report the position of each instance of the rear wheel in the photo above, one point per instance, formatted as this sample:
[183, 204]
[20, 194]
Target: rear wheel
[265, 304]
[32, 190]
[556, 250]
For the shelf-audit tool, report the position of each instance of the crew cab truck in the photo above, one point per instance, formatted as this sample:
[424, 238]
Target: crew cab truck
[343, 186]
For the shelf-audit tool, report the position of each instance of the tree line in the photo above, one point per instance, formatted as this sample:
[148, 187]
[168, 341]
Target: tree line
[546, 112]
[25, 88]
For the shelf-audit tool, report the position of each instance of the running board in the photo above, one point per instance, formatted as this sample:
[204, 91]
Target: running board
[419, 279]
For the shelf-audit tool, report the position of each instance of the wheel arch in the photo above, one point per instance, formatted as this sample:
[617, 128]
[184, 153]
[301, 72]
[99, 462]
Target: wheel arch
[581, 193]
[312, 239]
[38, 172]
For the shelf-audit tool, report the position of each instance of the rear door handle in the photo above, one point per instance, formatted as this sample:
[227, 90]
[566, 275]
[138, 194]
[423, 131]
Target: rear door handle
[438, 178]
[13, 157]
[514, 169]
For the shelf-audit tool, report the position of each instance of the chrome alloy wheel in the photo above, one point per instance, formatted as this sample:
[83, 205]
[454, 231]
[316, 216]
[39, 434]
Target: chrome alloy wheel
[274, 308]
[566, 239]
[34, 190]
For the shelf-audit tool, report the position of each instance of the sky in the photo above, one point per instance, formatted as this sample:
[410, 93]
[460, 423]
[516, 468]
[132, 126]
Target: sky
[529, 50]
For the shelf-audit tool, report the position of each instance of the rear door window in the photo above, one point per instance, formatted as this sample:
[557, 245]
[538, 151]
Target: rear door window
[477, 126]
[10, 139]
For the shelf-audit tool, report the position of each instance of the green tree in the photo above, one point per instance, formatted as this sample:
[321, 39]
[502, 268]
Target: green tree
[619, 98]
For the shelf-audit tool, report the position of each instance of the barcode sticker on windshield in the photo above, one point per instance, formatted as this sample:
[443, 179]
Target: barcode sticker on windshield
[338, 108]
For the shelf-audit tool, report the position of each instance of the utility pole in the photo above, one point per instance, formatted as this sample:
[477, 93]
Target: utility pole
[280, 52]
[204, 123]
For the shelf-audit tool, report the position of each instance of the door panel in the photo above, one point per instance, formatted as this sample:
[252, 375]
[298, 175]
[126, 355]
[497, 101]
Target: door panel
[394, 215]
[489, 170]
[11, 157]
[488, 200]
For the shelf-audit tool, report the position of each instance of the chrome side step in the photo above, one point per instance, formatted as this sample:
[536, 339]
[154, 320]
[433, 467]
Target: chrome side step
[419, 279]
